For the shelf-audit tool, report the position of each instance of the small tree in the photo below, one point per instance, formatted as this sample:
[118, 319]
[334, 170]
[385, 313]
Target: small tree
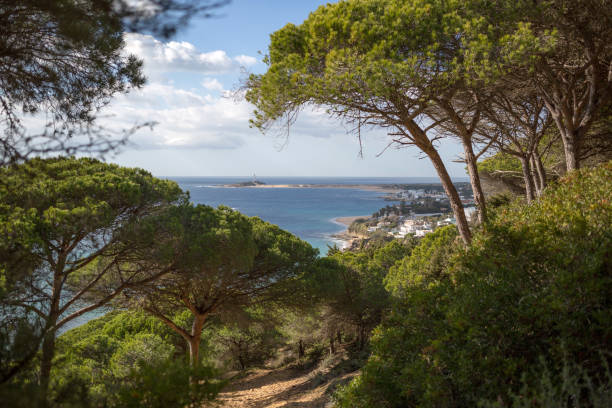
[229, 261]
[90, 223]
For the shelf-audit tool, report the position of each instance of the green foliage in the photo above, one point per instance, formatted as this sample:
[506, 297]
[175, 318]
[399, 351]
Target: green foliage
[351, 283]
[500, 162]
[124, 359]
[359, 226]
[425, 265]
[82, 65]
[73, 227]
[143, 348]
[352, 55]
[248, 338]
[534, 286]
[499, 200]
[117, 360]
[168, 383]
[568, 386]
[78, 70]
[226, 261]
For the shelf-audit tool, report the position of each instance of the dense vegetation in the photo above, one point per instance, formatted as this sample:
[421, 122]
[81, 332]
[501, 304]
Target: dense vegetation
[527, 300]
[514, 310]
[525, 310]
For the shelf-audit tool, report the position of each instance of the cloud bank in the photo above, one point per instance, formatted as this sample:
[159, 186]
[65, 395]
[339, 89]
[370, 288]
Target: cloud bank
[182, 56]
[204, 116]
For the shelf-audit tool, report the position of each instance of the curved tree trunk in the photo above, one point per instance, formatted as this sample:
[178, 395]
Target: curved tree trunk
[194, 341]
[569, 137]
[453, 196]
[479, 197]
[570, 148]
[535, 176]
[529, 187]
[539, 167]
[422, 141]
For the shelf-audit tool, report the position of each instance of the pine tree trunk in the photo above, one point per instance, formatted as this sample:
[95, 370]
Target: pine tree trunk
[569, 137]
[332, 348]
[479, 197]
[535, 176]
[46, 360]
[540, 170]
[48, 346]
[194, 351]
[453, 196]
[194, 341]
[300, 349]
[571, 156]
[422, 141]
[529, 187]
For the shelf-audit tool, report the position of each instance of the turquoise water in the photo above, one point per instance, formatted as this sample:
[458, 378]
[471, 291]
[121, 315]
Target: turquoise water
[305, 212]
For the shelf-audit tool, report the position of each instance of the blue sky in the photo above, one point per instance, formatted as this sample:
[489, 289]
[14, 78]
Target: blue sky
[201, 131]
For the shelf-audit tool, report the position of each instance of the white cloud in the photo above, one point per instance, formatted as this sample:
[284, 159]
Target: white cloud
[188, 120]
[245, 60]
[212, 84]
[181, 56]
[184, 119]
[191, 118]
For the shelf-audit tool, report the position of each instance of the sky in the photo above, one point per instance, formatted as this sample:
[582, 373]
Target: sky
[202, 130]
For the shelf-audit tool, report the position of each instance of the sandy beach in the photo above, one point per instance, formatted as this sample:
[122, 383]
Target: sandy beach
[345, 237]
[348, 220]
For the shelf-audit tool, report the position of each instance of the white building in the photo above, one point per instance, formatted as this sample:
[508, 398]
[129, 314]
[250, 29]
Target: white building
[423, 232]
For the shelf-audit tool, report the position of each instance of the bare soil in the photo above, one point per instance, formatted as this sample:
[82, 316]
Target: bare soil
[284, 388]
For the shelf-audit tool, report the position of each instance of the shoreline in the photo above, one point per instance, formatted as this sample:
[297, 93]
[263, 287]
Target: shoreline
[345, 237]
[347, 221]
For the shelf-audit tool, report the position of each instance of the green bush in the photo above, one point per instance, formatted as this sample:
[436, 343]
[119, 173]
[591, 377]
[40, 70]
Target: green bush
[165, 384]
[535, 285]
[103, 362]
[426, 263]
[567, 386]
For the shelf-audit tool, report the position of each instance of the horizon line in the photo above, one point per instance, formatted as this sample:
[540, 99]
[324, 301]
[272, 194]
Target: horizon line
[347, 177]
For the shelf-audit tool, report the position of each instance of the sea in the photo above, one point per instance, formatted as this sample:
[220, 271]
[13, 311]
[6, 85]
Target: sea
[309, 213]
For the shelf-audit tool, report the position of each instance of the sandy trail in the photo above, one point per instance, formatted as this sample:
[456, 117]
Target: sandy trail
[286, 388]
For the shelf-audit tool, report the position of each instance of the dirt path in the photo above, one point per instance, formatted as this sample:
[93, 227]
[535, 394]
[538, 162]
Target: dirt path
[286, 388]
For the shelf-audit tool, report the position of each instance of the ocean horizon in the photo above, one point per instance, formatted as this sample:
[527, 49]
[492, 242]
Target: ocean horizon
[217, 180]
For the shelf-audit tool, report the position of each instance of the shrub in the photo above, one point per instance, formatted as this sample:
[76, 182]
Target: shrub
[100, 361]
[475, 324]
[167, 383]
[568, 386]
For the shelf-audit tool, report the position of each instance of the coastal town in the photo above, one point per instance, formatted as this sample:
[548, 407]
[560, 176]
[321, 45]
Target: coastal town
[419, 211]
